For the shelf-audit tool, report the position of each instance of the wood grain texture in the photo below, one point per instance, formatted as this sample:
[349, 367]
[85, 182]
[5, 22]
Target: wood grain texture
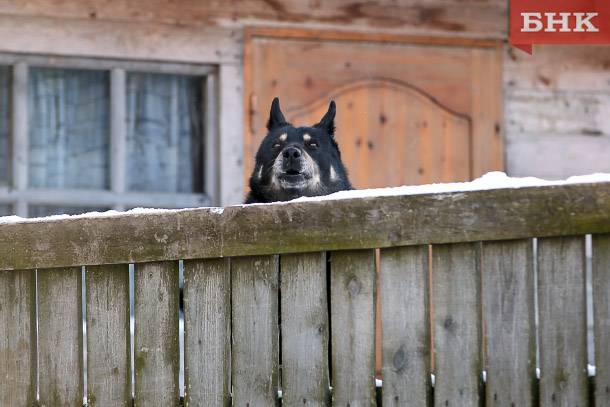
[340, 224]
[60, 337]
[305, 330]
[457, 324]
[108, 336]
[508, 316]
[405, 326]
[255, 352]
[468, 18]
[17, 338]
[156, 334]
[562, 323]
[352, 307]
[601, 317]
[207, 332]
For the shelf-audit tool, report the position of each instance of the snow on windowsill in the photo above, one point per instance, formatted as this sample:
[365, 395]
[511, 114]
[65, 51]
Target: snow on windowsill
[491, 180]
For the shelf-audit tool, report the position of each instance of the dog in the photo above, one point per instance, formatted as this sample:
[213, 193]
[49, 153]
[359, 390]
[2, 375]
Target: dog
[297, 161]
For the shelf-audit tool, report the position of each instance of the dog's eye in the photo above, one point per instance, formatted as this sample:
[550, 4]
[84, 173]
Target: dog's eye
[313, 144]
[276, 145]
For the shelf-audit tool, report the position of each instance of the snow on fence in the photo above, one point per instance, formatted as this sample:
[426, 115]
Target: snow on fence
[311, 266]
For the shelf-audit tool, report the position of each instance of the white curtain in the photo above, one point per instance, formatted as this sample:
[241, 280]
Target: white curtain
[68, 128]
[164, 133]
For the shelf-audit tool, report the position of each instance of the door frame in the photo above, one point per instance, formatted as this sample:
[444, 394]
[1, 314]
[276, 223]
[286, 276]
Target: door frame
[250, 104]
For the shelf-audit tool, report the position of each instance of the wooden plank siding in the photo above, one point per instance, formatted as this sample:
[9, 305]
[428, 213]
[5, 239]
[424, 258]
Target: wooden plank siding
[255, 353]
[507, 273]
[60, 337]
[17, 338]
[405, 326]
[563, 323]
[207, 332]
[374, 222]
[108, 336]
[304, 328]
[601, 317]
[156, 334]
[352, 308]
[457, 324]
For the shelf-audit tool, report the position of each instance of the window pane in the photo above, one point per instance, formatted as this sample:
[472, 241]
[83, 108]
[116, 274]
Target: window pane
[68, 128]
[5, 92]
[164, 133]
[5, 210]
[37, 211]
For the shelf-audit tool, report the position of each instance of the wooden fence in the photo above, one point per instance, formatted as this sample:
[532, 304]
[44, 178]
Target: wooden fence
[301, 324]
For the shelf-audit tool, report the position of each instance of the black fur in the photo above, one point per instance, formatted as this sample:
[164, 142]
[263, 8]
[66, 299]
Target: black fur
[297, 161]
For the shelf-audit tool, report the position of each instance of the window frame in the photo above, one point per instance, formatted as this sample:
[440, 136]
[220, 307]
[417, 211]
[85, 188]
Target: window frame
[19, 195]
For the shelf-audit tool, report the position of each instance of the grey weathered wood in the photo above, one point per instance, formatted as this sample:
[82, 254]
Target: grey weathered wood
[157, 360]
[405, 326]
[255, 353]
[340, 224]
[17, 338]
[508, 315]
[304, 326]
[60, 337]
[207, 332]
[562, 321]
[601, 317]
[457, 324]
[352, 307]
[108, 336]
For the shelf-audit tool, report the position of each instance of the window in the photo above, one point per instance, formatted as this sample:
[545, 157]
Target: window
[82, 134]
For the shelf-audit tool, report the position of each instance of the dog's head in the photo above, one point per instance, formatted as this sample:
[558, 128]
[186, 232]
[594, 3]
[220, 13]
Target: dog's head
[297, 161]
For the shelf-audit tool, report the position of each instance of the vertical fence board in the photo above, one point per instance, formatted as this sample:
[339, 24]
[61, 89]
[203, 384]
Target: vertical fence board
[405, 329]
[60, 336]
[108, 346]
[207, 332]
[255, 355]
[601, 317]
[508, 314]
[157, 360]
[562, 321]
[457, 324]
[17, 338]
[304, 327]
[352, 305]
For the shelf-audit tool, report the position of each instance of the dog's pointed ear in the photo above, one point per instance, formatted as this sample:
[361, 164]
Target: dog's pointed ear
[328, 121]
[276, 117]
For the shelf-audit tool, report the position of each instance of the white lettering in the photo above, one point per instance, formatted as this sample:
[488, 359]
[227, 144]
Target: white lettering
[529, 19]
[563, 20]
[580, 22]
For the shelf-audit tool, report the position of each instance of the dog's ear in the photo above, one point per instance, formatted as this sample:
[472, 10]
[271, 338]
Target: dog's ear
[276, 117]
[328, 121]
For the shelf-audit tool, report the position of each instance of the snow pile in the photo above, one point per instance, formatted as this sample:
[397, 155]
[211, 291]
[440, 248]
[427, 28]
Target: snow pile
[491, 180]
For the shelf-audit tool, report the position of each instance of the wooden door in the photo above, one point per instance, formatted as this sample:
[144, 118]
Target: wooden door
[410, 110]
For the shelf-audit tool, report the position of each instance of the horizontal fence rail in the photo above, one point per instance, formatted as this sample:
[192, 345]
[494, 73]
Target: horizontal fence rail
[279, 303]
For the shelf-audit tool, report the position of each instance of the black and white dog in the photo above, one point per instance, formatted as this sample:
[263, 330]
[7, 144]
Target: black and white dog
[297, 161]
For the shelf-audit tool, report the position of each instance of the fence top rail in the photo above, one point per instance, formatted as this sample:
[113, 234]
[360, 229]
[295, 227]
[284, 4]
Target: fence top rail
[369, 222]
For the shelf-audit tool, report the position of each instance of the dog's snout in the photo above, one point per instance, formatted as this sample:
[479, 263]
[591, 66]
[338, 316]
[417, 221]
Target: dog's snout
[291, 152]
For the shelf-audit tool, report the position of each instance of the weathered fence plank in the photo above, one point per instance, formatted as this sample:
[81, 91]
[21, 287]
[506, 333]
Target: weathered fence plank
[508, 314]
[157, 360]
[207, 332]
[562, 321]
[352, 306]
[255, 353]
[60, 337]
[17, 338]
[405, 326]
[108, 344]
[374, 222]
[601, 317]
[457, 324]
[304, 324]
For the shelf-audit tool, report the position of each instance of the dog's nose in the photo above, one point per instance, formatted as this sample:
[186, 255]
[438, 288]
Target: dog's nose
[291, 152]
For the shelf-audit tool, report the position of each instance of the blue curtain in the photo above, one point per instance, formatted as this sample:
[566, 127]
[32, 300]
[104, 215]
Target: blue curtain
[4, 124]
